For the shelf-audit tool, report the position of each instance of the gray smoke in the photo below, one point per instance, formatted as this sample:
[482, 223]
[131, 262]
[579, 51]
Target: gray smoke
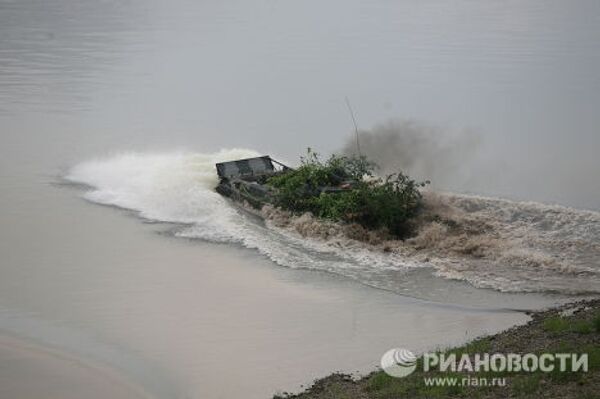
[423, 152]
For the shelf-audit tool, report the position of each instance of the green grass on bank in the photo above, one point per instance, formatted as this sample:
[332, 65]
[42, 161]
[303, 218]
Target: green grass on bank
[558, 324]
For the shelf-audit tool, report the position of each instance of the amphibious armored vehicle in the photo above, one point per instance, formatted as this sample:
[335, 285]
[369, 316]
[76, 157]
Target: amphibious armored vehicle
[245, 180]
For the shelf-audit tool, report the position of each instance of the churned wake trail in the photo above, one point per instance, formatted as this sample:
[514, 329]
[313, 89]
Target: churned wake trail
[561, 252]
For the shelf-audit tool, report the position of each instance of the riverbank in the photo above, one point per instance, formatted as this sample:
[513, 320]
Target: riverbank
[571, 328]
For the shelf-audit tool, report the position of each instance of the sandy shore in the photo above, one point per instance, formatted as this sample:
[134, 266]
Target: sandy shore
[28, 371]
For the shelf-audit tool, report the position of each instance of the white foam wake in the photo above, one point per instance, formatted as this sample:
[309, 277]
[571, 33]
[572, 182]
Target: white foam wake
[176, 187]
[179, 188]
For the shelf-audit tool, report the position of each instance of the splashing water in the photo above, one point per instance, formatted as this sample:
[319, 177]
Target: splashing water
[527, 246]
[558, 248]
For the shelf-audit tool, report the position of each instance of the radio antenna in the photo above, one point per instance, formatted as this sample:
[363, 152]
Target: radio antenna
[355, 125]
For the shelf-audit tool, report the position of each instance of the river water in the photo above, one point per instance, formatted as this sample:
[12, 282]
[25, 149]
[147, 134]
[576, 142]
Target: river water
[128, 104]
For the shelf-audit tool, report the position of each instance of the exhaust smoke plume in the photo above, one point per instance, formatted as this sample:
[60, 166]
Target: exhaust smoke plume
[424, 152]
